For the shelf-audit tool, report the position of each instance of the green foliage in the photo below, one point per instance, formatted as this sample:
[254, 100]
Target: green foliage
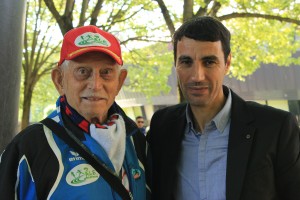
[149, 68]
[257, 41]
[129, 22]
[258, 37]
[44, 98]
[266, 6]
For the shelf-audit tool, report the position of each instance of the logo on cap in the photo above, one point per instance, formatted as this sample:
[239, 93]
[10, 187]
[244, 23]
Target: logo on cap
[91, 39]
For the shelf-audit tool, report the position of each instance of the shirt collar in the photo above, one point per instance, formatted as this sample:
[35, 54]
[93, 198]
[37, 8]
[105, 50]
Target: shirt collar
[220, 120]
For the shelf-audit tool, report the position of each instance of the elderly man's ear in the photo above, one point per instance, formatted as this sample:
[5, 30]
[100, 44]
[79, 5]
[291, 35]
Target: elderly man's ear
[57, 77]
[122, 77]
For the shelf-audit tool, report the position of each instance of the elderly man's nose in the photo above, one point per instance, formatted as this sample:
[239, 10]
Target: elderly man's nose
[95, 81]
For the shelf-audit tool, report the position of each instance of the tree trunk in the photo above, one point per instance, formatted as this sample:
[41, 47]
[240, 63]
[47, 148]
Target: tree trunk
[28, 89]
[188, 9]
[12, 18]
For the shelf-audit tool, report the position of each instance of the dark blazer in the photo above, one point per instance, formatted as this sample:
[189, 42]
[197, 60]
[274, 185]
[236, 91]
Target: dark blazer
[263, 161]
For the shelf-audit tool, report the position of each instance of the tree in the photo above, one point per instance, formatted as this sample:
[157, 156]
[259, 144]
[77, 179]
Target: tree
[39, 53]
[262, 31]
[151, 64]
[110, 15]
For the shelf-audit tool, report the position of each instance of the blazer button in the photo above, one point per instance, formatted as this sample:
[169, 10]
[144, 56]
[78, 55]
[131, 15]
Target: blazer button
[248, 136]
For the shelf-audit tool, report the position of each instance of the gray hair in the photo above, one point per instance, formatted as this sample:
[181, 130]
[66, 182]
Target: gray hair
[66, 64]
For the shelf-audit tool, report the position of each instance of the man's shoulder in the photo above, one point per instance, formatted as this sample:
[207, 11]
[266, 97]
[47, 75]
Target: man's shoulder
[174, 109]
[30, 131]
[170, 114]
[264, 114]
[257, 109]
[260, 108]
[32, 138]
[28, 141]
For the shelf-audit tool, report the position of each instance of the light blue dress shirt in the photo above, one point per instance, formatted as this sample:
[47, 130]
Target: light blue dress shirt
[202, 166]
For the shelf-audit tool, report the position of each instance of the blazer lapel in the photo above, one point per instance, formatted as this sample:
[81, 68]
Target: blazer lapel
[239, 147]
[175, 129]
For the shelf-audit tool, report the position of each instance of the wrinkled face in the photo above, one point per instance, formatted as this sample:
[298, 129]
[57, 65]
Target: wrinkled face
[201, 68]
[90, 83]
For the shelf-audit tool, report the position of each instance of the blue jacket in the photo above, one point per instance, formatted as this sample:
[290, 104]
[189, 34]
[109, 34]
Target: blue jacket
[39, 165]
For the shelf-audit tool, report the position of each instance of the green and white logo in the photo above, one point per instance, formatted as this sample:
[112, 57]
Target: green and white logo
[91, 39]
[82, 174]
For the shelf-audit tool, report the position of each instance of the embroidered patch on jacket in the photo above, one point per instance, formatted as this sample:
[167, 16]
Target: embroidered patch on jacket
[82, 174]
[136, 173]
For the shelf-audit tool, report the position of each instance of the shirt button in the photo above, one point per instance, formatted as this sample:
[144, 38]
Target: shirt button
[248, 136]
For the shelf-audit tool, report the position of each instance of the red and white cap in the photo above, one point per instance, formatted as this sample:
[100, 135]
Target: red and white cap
[89, 38]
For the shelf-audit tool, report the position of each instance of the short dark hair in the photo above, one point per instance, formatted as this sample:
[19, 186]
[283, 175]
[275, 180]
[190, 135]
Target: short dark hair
[139, 117]
[204, 28]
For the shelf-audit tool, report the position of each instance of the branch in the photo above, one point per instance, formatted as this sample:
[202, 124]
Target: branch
[38, 53]
[166, 15]
[142, 39]
[43, 48]
[25, 42]
[64, 22]
[215, 8]
[117, 16]
[36, 32]
[257, 15]
[46, 55]
[53, 10]
[112, 18]
[96, 12]
[43, 61]
[69, 8]
[48, 69]
[84, 7]
[188, 12]
[203, 10]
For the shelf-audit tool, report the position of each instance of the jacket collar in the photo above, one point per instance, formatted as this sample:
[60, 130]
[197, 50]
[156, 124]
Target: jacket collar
[239, 146]
[131, 127]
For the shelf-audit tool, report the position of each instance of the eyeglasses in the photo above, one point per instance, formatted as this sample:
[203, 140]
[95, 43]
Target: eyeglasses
[140, 122]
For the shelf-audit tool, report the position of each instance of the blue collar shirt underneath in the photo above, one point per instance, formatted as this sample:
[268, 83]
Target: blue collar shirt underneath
[201, 171]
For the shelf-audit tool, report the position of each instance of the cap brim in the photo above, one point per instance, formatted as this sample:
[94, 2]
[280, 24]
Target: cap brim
[81, 51]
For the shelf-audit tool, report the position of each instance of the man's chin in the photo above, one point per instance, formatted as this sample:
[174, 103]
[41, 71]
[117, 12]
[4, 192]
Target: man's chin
[196, 101]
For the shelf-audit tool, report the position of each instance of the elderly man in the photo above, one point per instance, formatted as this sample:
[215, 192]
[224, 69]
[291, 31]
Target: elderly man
[40, 164]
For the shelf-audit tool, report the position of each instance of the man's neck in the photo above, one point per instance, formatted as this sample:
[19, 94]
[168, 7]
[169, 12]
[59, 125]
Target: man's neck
[201, 115]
